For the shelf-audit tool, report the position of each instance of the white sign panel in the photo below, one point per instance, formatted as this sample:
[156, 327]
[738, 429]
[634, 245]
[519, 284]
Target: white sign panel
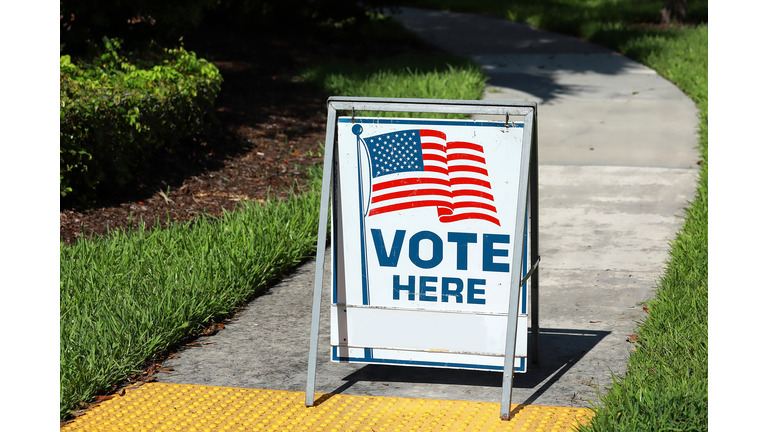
[424, 218]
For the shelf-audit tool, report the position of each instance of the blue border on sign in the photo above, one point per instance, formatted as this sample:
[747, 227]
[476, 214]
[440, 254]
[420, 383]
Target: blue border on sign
[368, 352]
[524, 288]
[334, 270]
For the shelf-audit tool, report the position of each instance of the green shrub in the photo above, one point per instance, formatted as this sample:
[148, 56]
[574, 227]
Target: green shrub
[115, 113]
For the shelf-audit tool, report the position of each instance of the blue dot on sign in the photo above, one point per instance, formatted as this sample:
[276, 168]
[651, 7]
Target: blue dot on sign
[357, 129]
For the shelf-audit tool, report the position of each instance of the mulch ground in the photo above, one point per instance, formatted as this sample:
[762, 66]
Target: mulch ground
[271, 126]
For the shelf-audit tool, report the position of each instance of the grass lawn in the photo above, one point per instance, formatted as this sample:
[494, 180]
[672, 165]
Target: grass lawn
[442, 76]
[127, 297]
[666, 383]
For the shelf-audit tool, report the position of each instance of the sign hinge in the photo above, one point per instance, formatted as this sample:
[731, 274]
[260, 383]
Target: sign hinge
[530, 272]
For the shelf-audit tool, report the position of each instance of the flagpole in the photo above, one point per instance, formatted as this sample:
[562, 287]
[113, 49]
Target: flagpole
[357, 129]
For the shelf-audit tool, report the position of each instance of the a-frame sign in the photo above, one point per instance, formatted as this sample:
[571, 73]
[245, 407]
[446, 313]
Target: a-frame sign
[434, 237]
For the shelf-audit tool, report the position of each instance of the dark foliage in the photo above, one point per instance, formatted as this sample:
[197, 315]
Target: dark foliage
[85, 22]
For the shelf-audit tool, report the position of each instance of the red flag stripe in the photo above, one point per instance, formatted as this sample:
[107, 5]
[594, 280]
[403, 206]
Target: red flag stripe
[464, 145]
[436, 169]
[410, 193]
[474, 193]
[442, 192]
[432, 146]
[409, 205]
[467, 168]
[444, 212]
[474, 204]
[432, 133]
[472, 181]
[409, 181]
[431, 157]
[465, 216]
[465, 156]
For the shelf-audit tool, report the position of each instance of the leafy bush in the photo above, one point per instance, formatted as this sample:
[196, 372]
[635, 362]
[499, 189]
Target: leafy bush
[114, 113]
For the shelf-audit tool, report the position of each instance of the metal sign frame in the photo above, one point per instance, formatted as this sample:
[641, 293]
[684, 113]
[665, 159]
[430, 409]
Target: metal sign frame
[528, 197]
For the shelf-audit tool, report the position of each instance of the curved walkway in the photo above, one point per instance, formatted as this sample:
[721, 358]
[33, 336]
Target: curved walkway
[618, 158]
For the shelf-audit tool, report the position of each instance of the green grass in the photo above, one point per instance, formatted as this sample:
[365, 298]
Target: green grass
[665, 387]
[441, 76]
[127, 297]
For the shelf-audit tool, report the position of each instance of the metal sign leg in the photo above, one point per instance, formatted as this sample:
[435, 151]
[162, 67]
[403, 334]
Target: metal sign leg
[517, 262]
[534, 188]
[320, 259]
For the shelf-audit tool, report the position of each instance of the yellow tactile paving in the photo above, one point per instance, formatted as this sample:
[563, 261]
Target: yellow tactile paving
[177, 407]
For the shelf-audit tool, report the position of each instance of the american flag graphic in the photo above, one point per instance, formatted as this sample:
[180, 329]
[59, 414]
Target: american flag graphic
[421, 168]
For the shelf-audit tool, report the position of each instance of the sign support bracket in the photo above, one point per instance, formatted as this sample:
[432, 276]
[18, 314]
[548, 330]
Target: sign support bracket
[530, 272]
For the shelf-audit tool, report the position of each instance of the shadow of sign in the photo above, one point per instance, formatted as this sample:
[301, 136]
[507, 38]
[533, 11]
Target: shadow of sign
[541, 86]
[560, 350]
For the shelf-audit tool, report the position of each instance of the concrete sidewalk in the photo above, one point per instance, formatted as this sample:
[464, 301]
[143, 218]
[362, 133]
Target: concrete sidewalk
[618, 163]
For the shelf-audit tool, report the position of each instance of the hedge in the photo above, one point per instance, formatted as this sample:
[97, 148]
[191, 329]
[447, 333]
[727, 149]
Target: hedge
[116, 113]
